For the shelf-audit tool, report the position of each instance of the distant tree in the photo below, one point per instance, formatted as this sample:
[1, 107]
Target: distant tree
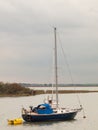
[14, 89]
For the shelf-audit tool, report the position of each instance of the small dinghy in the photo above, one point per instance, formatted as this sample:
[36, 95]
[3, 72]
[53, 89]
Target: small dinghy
[15, 121]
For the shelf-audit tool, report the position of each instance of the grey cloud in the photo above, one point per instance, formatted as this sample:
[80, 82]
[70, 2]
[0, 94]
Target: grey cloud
[26, 37]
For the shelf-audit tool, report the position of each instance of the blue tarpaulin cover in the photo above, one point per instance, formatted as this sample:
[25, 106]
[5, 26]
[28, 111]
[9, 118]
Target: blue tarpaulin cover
[44, 109]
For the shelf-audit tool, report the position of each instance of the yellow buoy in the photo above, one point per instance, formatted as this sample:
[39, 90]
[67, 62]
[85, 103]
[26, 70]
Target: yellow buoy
[15, 121]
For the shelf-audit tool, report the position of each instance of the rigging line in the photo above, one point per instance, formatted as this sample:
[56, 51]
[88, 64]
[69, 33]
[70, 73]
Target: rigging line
[68, 68]
[53, 80]
[64, 54]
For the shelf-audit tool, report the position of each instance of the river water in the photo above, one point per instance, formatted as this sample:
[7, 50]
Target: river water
[64, 88]
[10, 108]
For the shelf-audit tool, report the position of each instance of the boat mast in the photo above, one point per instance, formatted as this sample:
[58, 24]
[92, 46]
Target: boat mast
[55, 65]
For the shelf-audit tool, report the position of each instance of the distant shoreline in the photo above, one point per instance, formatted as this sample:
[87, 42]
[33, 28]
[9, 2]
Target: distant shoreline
[17, 90]
[38, 92]
[60, 85]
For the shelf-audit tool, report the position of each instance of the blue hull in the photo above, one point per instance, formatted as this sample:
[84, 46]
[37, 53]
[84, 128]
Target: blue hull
[49, 117]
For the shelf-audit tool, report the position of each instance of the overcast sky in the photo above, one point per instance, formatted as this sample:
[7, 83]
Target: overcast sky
[26, 39]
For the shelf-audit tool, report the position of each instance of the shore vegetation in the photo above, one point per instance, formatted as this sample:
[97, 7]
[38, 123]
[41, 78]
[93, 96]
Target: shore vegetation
[14, 89]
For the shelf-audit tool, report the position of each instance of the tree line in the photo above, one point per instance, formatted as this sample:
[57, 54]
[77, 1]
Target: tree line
[13, 89]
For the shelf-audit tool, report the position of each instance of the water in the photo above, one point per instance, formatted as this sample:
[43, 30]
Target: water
[10, 107]
[65, 88]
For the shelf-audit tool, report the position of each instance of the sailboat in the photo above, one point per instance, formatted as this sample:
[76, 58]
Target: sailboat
[50, 110]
